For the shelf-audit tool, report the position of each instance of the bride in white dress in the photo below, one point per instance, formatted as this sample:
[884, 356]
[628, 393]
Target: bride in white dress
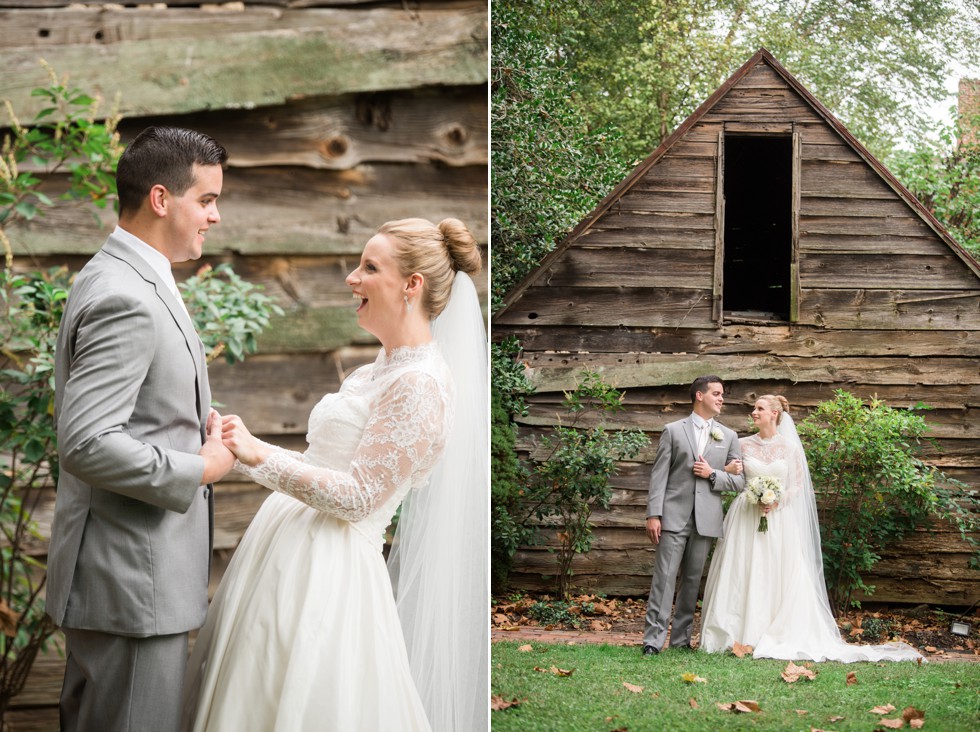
[766, 589]
[303, 633]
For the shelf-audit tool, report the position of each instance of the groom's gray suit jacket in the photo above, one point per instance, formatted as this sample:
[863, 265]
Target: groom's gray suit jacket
[675, 492]
[131, 538]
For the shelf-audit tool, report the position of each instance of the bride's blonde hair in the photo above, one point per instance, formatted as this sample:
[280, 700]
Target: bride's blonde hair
[435, 252]
[776, 402]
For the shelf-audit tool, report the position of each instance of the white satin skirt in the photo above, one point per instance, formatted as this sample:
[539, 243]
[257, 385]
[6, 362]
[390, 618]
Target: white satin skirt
[303, 634]
[762, 593]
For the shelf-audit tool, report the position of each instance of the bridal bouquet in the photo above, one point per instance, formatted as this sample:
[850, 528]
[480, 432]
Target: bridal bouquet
[765, 490]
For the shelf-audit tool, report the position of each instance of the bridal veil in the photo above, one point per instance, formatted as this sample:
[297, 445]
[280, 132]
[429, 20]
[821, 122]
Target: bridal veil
[439, 556]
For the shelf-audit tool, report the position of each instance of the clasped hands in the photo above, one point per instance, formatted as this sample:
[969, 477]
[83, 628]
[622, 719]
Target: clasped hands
[227, 439]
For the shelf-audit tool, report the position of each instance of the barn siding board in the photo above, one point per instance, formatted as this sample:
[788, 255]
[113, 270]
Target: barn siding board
[291, 209]
[908, 271]
[177, 60]
[630, 267]
[406, 126]
[889, 306]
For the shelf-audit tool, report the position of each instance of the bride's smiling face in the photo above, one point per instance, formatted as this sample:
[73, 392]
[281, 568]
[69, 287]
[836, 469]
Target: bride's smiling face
[763, 414]
[378, 287]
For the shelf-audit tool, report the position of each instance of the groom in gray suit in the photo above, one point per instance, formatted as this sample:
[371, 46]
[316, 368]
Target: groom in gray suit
[684, 511]
[131, 538]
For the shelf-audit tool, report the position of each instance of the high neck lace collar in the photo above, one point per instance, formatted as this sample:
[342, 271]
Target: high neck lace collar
[406, 354]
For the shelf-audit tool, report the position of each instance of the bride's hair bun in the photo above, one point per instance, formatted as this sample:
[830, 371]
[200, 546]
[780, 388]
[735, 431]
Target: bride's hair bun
[463, 250]
[436, 253]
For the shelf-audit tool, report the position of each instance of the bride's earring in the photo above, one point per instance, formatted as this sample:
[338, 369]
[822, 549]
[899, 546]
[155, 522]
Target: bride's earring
[408, 305]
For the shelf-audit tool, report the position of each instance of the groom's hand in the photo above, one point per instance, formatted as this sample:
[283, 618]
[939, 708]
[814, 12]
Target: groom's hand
[702, 469]
[653, 529]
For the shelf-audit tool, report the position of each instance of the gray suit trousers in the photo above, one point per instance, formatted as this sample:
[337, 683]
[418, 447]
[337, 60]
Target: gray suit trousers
[116, 683]
[683, 551]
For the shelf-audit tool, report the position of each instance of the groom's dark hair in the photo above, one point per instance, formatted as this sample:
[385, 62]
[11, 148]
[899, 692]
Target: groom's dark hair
[701, 384]
[164, 155]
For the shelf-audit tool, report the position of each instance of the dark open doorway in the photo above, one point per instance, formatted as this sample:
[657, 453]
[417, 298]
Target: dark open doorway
[758, 225]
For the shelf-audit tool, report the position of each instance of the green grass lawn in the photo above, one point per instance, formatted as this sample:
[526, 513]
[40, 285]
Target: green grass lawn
[593, 698]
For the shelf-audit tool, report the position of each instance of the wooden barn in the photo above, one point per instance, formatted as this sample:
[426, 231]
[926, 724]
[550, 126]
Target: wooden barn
[763, 243]
[338, 115]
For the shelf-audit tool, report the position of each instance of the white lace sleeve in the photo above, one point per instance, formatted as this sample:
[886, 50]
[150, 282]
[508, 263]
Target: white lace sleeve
[797, 476]
[403, 438]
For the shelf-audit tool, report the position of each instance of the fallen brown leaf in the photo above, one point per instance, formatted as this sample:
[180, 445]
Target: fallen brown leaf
[498, 703]
[525, 648]
[739, 707]
[562, 671]
[892, 723]
[741, 651]
[910, 713]
[836, 719]
[633, 687]
[852, 678]
[932, 649]
[916, 723]
[693, 702]
[801, 712]
[793, 673]
[882, 709]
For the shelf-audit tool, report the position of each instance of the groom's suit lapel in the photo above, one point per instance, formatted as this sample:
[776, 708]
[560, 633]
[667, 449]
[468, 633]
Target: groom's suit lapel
[120, 251]
[692, 436]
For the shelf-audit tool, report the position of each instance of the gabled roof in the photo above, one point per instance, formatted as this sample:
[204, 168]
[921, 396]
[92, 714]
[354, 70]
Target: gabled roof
[761, 56]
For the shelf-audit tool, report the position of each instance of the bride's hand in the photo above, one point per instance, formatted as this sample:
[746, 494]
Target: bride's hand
[236, 437]
[734, 467]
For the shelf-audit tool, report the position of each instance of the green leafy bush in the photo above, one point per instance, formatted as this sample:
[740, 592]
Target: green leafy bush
[508, 388]
[570, 470]
[873, 488]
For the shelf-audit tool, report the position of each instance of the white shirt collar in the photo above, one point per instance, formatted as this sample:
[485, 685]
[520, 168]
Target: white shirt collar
[159, 263]
[700, 421]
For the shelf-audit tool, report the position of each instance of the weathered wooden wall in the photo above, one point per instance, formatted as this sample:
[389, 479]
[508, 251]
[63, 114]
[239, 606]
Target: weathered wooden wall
[887, 308]
[337, 116]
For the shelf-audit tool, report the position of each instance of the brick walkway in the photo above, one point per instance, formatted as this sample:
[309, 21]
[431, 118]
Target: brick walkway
[533, 634]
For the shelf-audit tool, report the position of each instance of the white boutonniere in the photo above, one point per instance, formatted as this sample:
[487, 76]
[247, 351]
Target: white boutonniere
[717, 435]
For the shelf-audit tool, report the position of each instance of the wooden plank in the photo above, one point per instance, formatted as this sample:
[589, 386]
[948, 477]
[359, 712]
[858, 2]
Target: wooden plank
[777, 340]
[447, 125]
[681, 167]
[873, 207]
[888, 272]
[718, 260]
[872, 244]
[659, 369]
[652, 231]
[871, 225]
[279, 210]
[628, 267]
[611, 306]
[795, 213]
[275, 393]
[643, 201]
[899, 310]
[844, 179]
[961, 423]
[171, 60]
[837, 150]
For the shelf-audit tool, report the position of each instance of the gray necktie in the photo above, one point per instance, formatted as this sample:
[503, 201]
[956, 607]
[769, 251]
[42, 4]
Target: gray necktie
[703, 437]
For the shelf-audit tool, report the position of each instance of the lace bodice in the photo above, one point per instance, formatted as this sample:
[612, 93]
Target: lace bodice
[371, 442]
[774, 458]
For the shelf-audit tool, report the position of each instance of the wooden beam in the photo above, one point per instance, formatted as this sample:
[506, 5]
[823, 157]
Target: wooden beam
[176, 60]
